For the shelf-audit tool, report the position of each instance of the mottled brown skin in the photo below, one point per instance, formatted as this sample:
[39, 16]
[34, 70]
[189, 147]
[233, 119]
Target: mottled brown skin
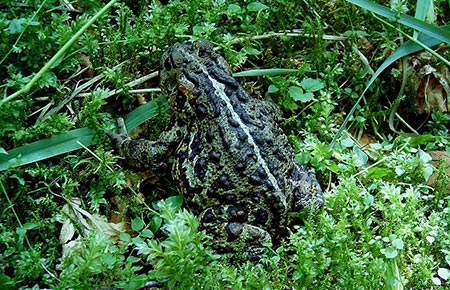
[232, 162]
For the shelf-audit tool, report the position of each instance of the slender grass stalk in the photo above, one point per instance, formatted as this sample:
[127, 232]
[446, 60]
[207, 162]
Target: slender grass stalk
[58, 55]
[23, 31]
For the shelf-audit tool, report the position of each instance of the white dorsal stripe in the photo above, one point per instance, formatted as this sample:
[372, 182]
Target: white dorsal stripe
[220, 91]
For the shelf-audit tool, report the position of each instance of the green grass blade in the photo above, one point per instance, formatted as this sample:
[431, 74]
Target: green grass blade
[423, 8]
[421, 26]
[47, 148]
[69, 141]
[145, 112]
[404, 50]
[265, 72]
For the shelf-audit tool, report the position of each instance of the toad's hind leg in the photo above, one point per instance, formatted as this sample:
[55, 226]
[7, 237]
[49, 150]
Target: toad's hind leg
[238, 240]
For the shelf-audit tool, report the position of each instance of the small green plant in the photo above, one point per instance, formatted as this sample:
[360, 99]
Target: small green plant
[91, 261]
[182, 247]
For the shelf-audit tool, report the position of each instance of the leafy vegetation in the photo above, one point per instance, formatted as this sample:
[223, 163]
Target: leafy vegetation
[73, 217]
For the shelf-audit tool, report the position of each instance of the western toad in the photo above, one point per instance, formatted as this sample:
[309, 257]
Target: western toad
[231, 161]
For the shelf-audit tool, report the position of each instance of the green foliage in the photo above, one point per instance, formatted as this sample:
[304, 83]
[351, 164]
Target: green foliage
[182, 246]
[91, 262]
[31, 250]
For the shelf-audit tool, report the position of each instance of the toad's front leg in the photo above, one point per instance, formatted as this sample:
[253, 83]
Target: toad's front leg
[141, 153]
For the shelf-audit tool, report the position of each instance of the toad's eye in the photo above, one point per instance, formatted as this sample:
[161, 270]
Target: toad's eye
[178, 59]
